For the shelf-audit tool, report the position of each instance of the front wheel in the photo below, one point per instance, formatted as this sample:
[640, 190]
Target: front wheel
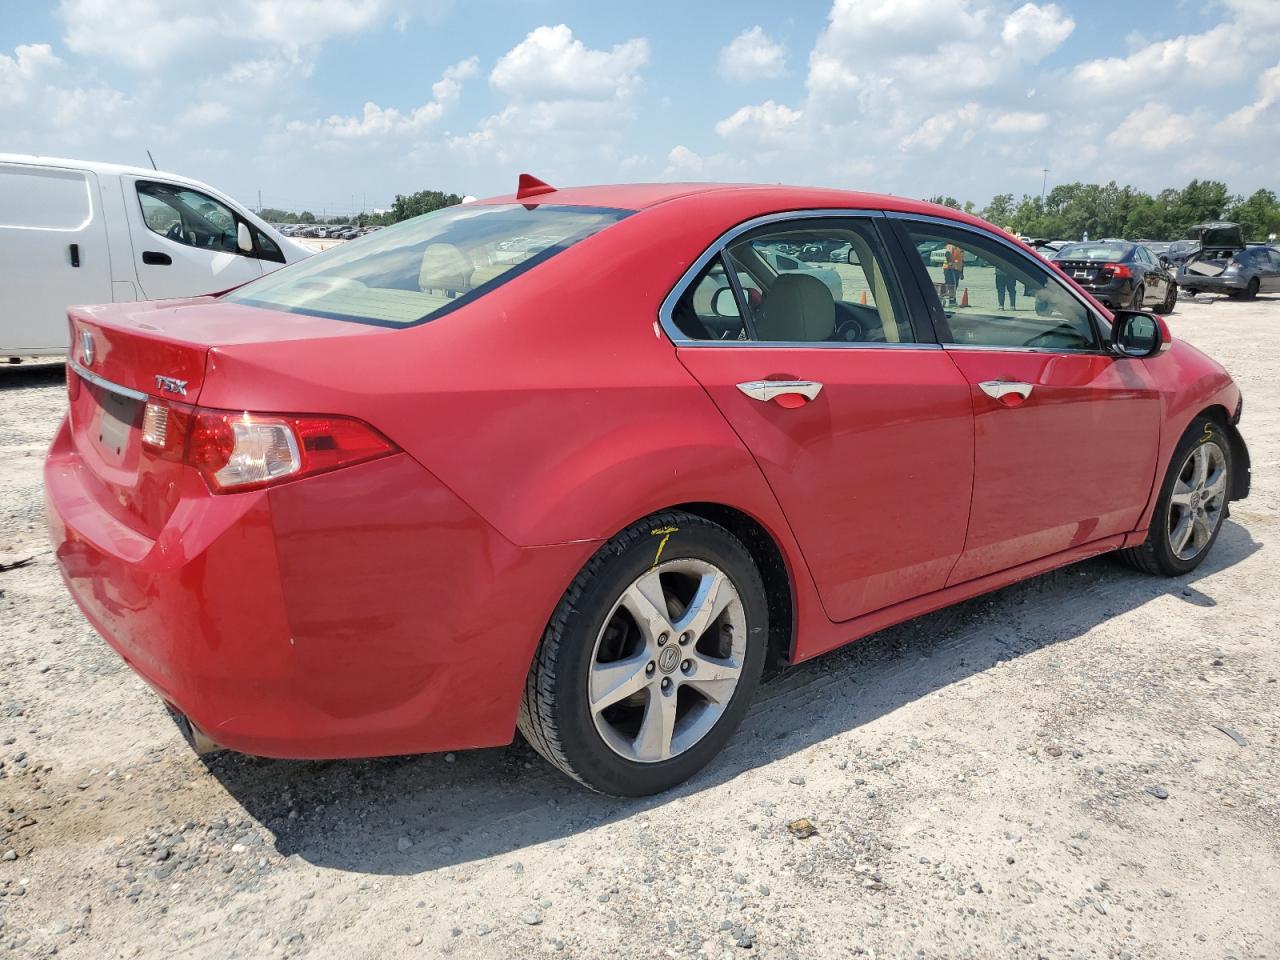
[650, 659]
[1192, 503]
[1170, 299]
[1139, 296]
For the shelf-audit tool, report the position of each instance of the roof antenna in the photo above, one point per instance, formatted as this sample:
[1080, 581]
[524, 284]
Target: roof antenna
[153, 161]
[531, 186]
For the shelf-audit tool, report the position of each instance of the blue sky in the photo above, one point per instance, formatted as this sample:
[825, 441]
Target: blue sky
[330, 103]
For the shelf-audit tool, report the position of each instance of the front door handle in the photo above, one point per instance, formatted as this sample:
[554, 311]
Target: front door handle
[156, 259]
[766, 390]
[1006, 390]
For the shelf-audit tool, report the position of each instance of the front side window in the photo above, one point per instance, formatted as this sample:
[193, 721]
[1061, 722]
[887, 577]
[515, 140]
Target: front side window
[187, 216]
[993, 296]
[422, 268]
[804, 281]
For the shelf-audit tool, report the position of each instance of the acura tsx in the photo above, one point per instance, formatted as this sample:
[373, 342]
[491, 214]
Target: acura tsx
[438, 485]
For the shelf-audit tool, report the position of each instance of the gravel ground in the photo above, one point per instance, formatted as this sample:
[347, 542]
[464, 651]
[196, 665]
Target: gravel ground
[1083, 765]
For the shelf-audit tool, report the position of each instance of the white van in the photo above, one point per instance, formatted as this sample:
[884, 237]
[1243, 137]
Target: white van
[75, 232]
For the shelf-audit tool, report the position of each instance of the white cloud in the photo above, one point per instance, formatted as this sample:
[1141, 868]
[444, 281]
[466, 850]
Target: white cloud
[752, 55]
[766, 122]
[1153, 127]
[1018, 121]
[550, 64]
[1243, 121]
[149, 33]
[376, 121]
[939, 128]
[1034, 32]
[205, 114]
[21, 73]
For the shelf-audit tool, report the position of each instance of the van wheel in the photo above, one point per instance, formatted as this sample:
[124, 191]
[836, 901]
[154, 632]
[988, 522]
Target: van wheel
[650, 659]
[1191, 506]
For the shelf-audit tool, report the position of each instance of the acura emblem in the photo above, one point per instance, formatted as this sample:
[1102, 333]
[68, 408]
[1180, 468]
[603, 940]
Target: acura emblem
[86, 347]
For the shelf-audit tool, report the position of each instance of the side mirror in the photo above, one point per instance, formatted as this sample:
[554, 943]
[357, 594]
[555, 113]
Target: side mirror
[723, 303]
[244, 239]
[1138, 334]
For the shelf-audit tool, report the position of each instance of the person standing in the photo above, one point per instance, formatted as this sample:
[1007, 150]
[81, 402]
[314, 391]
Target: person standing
[1005, 282]
[952, 272]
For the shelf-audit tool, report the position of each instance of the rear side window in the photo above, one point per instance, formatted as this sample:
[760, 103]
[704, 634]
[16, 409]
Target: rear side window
[44, 199]
[425, 267]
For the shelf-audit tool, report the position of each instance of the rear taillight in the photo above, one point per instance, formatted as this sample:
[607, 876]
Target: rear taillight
[247, 451]
[1118, 270]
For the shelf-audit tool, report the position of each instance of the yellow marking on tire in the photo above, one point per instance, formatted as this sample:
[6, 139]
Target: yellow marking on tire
[665, 533]
[1208, 433]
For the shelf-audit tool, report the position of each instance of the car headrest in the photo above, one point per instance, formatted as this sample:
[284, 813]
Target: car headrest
[798, 308]
[444, 267]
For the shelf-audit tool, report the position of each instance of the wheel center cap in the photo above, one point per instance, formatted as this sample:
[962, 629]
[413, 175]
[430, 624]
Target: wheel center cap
[669, 659]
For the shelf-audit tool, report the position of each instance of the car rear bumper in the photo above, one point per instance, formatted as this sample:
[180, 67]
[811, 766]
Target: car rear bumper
[1193, 281]
[1117, 293]
[364, 612]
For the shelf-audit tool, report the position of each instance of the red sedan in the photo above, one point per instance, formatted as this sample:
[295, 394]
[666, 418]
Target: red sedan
[579, 461]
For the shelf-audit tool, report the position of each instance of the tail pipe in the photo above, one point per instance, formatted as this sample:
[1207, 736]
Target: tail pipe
[198, 740]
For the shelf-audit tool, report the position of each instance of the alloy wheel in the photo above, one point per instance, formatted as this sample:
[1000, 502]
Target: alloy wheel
[667, 661]
[1198, 497]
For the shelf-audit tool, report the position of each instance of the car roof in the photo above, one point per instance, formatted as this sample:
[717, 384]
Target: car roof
[98, 167]
[638, 196]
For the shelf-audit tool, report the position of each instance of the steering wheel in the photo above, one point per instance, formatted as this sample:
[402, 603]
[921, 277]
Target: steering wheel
[850, 330]
[174, 232]
[1046, 339]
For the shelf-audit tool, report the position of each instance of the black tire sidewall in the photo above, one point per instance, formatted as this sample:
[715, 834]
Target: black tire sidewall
[1139, 296]
[590, 756]
[1201, 430]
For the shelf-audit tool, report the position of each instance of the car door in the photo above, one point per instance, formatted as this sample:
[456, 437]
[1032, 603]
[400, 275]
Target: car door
[53, 248]
[1066, 433]
[1155, 282]
[1269, 262]
[858, 420]
[184, 241]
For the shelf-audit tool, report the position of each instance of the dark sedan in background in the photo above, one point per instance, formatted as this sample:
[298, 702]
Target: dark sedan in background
[1120, 274]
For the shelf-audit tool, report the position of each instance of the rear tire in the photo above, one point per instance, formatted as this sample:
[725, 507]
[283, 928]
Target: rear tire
[1191, 506]
[674, 683]
[1251, 291]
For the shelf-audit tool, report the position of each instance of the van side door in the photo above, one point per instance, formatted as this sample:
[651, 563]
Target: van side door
[184, 240]
[53, 247]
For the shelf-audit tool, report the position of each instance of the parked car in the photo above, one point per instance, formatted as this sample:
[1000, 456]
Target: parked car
[1178, 252]
[76, 231]
[582, 501]
[1119, 273]
[1243, 274]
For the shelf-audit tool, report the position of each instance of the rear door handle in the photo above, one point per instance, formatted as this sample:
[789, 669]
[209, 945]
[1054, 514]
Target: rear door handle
[75, 254]
[999, 389]
[156, 259]
[766, 390]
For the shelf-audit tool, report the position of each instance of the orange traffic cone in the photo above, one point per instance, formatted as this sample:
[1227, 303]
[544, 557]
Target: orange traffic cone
[863, 301]
[964, 298]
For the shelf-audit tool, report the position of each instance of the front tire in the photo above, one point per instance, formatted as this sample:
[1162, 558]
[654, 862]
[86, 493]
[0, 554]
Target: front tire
[651, 657]
[1170, 300]
[1139, 297]
[1192, 503]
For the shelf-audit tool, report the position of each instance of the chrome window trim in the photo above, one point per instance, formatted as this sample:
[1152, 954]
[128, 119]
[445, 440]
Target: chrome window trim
[677, 337]
[106, 384]
[1102, 324]
[1005, 349]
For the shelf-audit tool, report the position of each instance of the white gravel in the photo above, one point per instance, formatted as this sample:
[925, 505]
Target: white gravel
[985, 782]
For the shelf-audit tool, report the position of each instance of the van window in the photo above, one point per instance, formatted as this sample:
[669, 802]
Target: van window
[188, 216]
[428, 266]
[44, 198]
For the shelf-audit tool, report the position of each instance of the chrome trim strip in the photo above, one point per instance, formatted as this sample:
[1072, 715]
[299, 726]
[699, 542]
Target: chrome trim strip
[805, 344]
[999, 349]
[106, 384]
[1104, 325]
[669, 303]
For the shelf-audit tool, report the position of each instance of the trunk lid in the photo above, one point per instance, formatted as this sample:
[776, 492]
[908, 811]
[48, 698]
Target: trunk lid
[123, 356]
[1083, 271]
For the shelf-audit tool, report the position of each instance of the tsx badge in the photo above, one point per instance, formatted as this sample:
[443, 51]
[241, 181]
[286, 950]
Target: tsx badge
[172, 385]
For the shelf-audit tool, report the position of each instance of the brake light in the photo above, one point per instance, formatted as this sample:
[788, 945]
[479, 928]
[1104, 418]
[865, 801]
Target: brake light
[246, 451]
[1118, 270]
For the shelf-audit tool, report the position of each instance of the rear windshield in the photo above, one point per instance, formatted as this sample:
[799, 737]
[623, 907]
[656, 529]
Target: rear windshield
[1106, 252]
[425, 267]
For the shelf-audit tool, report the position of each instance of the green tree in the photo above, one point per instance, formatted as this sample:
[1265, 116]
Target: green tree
[1000, 210]
[306, 216]
[1258, 216]
[416, 204]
